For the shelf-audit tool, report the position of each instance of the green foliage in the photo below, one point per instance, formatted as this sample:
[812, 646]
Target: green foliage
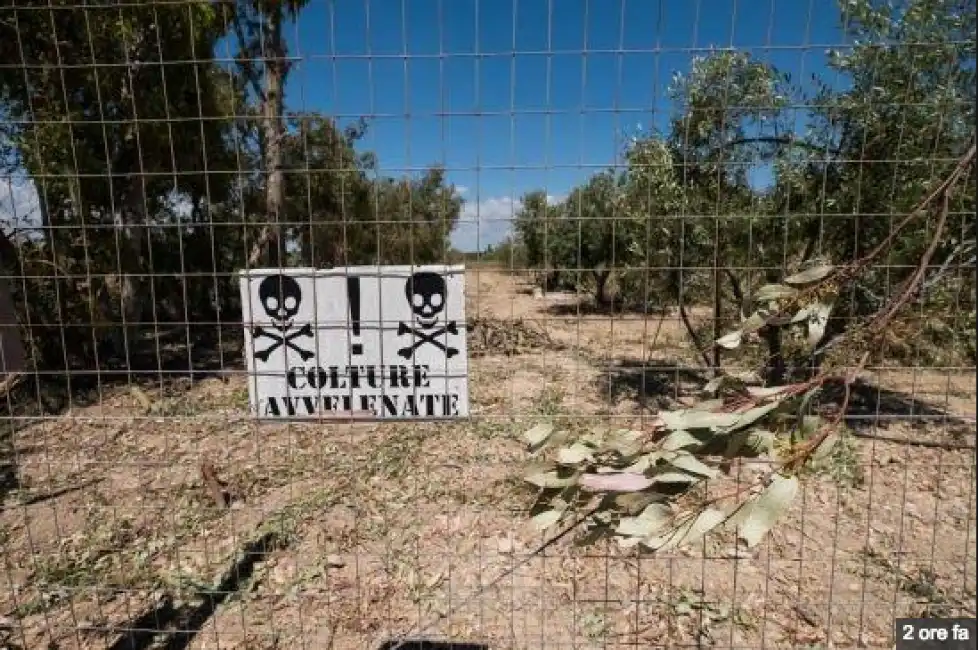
[847, 160]
[872, 206]
[151, 176]
[640, 489]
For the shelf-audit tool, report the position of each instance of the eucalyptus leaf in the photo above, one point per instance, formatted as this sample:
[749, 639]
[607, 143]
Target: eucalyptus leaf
[713, 385]
[634, 502]
[620, 482]
[641, 465]
[546, 519]
[545, 500]
[626, 443]
[813, 274]
[690, 531]
[754, 323]
[771, 292]
[667, 476]
[758, 515]
[551, 479]
[731, 341]
[801, 316]
[687, 419]
[691, 464]
[574, 455]
[536, 438]
[680, 439]
[751, 416]
[765, 391]
[626, 542]
[652, 519]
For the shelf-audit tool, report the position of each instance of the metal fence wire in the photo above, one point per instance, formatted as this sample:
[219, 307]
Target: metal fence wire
[503, 323]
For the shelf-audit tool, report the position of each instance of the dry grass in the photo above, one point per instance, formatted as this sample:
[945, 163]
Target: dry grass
[340, 536]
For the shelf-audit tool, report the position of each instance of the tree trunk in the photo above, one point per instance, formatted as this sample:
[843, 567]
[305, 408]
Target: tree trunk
[276, 69]
[601, 290]
[130, 287]
[774, 368]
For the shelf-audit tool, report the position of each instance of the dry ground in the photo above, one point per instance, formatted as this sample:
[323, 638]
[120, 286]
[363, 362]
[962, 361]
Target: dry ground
[341, 536]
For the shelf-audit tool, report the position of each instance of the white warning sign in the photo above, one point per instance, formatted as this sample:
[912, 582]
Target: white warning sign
[381, 341]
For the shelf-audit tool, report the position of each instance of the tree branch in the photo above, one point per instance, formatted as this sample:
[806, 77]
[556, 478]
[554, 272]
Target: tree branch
[787, 141]
[244, 62]
[914, 283]
[963, 248]
[693, 336]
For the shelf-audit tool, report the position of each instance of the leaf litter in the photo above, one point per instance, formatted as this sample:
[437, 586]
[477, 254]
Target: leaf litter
[356, 503]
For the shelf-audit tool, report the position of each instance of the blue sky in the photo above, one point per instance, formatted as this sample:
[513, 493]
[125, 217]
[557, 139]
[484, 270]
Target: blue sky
[515, 95]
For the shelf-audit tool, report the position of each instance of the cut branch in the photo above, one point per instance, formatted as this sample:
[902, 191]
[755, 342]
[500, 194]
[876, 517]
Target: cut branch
[693, 336]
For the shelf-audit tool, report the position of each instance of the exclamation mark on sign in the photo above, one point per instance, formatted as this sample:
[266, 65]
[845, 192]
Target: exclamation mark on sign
[353, 292]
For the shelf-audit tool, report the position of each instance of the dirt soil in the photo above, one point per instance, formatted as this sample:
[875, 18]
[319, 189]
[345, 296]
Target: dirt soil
[342, 536]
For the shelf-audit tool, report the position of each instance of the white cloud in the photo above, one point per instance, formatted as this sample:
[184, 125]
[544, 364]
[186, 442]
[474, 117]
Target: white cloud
[487, 222]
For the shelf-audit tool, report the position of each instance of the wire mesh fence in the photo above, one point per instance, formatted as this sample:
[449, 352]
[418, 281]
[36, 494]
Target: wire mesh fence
[292, 291]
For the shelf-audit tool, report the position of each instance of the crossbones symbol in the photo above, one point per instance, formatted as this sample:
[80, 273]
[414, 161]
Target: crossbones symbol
[280, 296]
[426, 337]
[283, 339]
[426, 292]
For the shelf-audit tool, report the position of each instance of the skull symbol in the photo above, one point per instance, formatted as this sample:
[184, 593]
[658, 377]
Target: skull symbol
[425, 292]
[280, 296]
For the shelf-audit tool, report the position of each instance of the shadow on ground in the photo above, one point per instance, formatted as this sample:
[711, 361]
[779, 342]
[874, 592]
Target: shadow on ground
[173, 627]
[871, 406]
[654, 384]
[155, 364]
[659, 383]
[431, 644]
[588, 307]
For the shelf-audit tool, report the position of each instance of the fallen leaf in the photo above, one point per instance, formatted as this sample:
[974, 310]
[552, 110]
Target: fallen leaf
[814, 274]
[620, 482]
[536, 438]
[730, 341]
[771, 292]
[757, 516]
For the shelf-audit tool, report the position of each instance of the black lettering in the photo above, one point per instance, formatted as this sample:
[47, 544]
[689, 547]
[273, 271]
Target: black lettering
[451, 404]
[291, 405]
[389, 404]
[368, 403]
[354, 373]
[293, 376]
[429, 404]
[421, 376]
[336, 381]
[342, 403]
[399, 377]
[371, 375]
[271, 407]
[317, 377]
[410, 406]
